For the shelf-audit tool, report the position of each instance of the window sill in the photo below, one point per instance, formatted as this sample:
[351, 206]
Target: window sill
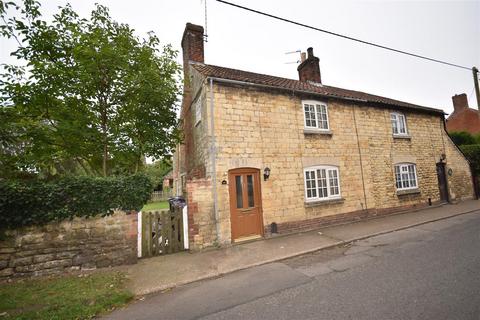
[399, 136]
[316, 131]
[323, 202]
[410, 191]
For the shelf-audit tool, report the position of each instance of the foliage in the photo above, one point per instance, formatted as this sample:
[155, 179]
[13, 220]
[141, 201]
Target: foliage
[93, 98]
[38, 202]
[462, 137]
[157, 170]
[472, 152]
[67, 297]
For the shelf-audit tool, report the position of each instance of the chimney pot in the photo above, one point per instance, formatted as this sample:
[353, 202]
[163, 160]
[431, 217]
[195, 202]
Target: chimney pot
[310, 52]
[303, 56]
[460, 102]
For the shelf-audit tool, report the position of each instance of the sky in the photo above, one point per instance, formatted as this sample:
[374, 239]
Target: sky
[445, 30]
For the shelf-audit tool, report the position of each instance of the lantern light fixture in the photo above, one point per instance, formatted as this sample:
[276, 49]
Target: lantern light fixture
[266, 173]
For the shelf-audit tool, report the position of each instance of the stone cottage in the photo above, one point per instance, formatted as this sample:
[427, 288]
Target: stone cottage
[263, 154]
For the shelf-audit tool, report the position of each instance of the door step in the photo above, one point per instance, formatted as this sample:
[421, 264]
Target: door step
[248, 238]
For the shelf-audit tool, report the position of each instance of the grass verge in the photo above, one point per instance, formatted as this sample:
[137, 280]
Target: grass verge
[160, 205]
[65, 297]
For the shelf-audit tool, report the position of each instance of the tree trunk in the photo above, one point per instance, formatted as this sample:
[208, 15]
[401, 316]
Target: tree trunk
[105, 140]
[105, 156]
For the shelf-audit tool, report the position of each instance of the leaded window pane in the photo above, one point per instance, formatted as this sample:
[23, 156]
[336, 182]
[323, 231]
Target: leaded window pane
[310, 116]
[239, 191]
[393, 118]
[401, 124]
[405, 176]
[333, 179]
[322, 116]
[322, 183]
[310, 184]
[251, 200]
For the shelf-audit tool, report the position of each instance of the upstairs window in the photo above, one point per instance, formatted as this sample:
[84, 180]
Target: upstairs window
[198, 111]
[399, 125]
[406, 176]
[321, 183]
[316, 115]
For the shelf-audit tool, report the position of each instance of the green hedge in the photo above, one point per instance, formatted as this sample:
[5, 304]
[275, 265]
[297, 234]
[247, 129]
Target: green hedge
[39, 202]
[472, 152]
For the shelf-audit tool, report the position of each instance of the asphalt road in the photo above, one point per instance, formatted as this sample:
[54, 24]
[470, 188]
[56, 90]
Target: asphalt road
[430, 271]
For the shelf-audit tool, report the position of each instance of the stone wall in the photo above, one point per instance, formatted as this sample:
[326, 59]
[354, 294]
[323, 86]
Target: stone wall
[260, 128]
[460, 184]
[80, 244]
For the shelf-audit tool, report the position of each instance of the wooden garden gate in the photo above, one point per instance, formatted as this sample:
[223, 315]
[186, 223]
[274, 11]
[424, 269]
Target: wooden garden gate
[162, 232]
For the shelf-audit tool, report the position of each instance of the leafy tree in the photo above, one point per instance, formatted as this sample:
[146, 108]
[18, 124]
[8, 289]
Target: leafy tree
[157, 170]
[472, 152]
[462, 138]
[91, 97]
[477, 138]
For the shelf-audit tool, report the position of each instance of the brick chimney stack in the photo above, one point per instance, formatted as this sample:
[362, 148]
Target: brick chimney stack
[192, 49]
[460, 102]
[309, 70]
[192, 44]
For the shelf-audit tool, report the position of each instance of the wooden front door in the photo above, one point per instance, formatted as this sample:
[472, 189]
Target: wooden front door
[245, 203]
[442, 181]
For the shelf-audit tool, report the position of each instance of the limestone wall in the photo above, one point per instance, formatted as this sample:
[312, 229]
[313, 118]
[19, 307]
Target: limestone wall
[259, 128]
[265, 129]
[70, 245]
[460, 182]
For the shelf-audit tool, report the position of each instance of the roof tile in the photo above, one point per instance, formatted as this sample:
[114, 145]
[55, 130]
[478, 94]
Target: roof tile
[296, 85]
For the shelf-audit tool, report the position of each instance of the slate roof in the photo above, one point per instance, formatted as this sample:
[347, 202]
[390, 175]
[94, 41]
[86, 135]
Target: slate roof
[305, 87]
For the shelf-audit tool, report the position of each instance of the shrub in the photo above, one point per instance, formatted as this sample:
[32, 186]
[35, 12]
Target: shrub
[472, 152]
[38, 202]
[462, 138]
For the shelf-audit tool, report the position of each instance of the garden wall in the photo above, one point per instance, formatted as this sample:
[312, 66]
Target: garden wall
[79, 244]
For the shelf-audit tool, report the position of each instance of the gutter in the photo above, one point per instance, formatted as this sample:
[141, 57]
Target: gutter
[361, 161]
[213, 154]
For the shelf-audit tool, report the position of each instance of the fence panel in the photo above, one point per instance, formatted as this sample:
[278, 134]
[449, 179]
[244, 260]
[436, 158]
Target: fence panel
[161, 195]
[162, 232]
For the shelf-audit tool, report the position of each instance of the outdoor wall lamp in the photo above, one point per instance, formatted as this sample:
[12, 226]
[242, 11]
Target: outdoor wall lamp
[266, 173]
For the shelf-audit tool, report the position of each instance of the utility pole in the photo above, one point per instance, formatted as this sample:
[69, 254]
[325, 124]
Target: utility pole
[475, 82]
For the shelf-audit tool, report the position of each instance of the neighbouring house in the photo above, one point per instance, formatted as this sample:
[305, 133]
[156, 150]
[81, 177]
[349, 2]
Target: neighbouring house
[168, 180]
[463, 118]
[264, 155]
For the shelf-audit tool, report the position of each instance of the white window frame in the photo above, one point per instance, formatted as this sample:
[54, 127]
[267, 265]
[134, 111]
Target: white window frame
[404, 169]
[317, 106]
[399, 119]
[198, 111]
[329, 185]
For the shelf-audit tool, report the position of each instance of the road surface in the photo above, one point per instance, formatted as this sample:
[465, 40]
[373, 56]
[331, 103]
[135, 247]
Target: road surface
[430, 271]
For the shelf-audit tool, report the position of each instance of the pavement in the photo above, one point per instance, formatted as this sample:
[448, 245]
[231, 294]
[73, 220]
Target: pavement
[169, 271]
[429, 271]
